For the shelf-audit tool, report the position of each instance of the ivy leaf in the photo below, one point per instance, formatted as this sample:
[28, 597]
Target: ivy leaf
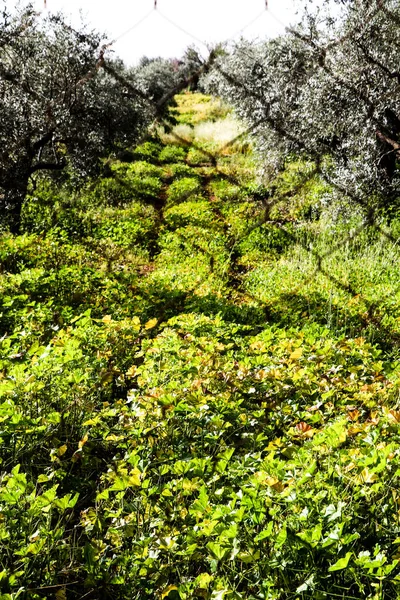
[296, 354]
[167, 591]
[341, 563]
[200, 505]
[131, 372]
[61, 594]
[203, 580]
[218, 551]
[265, 533]
[83, 441]
[281, 537]
[62, 450]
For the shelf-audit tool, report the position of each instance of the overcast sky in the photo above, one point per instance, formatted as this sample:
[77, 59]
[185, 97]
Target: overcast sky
[205, 21]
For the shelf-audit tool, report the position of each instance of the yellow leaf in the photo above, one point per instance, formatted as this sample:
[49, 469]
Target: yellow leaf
[271, 374]
[107, 319]
[62, 450]
[150, 324]
[258, 345]
[134, 477]
[61, 594]
[203, 580]
[394, 415]
[264, 479]
[107, 377]
[296, 354]
[167, 590]
[131, 372]
[366, 476]
[354, 429]
[271, 481]
[276, 443]
[349, 467]
[83, 441]
[353, 414]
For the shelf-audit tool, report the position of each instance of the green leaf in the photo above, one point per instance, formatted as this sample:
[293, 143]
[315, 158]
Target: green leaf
[250, 556]
[200, 506]
[341, 563]
[281, 537]
[265, 533]
[311, 536]
[217, 551]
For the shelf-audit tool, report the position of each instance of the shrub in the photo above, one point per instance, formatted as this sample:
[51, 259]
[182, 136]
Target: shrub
[172, 154]
[182, 189]
[189, 213]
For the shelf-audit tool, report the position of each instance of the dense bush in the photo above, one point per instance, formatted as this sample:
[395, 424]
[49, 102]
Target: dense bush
[182, 189]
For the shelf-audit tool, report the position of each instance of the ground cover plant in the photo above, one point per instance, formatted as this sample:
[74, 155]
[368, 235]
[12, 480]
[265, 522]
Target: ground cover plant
[194, 404]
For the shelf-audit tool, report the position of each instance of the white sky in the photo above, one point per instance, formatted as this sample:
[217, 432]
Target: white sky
[209, 21]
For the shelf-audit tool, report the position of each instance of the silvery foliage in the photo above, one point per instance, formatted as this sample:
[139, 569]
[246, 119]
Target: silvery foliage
[161, 78]
[329, 89]
[58, 106]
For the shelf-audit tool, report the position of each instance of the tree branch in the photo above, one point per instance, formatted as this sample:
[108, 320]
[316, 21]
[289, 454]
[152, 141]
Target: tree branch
[40, 166]
[43, 140]
[385, 138]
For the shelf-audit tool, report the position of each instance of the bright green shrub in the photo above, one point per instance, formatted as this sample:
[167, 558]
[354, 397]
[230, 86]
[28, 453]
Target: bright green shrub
[172, 154]
[180, 170]
[189, 213]
[226, 191]
[196, 157]
[182, 189]
[138, 167]
[265, 241]
[132, 187]
[148, 151]
[129, 227]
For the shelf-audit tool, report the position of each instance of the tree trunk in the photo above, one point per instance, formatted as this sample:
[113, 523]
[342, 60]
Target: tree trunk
[13, 189]
[11, 202]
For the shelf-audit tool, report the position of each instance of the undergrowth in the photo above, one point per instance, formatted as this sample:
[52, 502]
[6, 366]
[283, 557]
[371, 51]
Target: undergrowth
[199, 395]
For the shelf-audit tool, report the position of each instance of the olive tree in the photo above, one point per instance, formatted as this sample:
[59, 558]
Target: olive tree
[328, 89]
[162, 78]
[58, 106]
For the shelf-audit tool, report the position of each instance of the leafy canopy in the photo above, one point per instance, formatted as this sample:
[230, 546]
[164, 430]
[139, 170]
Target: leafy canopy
[57, 105]
[328, 90]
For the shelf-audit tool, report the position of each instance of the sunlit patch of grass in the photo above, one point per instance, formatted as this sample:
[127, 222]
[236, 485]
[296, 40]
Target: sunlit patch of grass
[353, 289]
[219, 132]
[193, 108]
[181, 134]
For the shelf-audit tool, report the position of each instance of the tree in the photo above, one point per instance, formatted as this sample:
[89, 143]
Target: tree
[160, 77]
[58, 106]
[329, 89]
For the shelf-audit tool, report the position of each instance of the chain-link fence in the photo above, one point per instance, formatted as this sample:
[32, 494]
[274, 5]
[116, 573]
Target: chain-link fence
[321, 53]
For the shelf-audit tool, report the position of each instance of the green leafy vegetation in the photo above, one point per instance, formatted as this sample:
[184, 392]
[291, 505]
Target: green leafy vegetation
[194, 403]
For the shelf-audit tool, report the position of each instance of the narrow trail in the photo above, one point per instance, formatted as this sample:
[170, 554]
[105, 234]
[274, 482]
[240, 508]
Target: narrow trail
[207, 185]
